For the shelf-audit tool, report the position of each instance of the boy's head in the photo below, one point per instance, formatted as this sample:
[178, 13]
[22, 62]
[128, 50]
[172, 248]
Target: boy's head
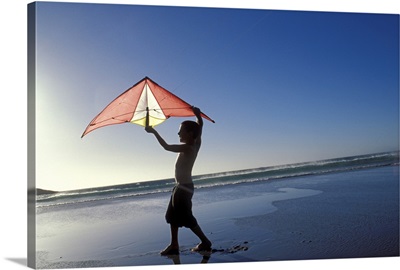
[191, 129]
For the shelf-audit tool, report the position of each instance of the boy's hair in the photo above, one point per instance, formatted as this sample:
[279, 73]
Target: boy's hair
[191, 126]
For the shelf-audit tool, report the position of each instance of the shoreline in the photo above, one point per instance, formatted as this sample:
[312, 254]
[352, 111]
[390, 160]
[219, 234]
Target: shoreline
[302, 218]
[270, 173]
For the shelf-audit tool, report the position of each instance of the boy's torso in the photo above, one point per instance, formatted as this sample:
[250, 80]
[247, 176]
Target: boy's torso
[183, 166]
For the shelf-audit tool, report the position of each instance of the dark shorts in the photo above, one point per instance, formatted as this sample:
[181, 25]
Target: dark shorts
[179, 211]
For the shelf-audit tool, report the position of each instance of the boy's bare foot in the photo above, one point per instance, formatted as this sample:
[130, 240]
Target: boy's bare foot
[202, 247]
[170, 250]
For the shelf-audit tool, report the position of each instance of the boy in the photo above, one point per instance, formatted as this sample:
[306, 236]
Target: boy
[179, 212]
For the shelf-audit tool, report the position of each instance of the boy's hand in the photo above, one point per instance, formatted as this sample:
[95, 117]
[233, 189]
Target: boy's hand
[196, 111]
[150, 129]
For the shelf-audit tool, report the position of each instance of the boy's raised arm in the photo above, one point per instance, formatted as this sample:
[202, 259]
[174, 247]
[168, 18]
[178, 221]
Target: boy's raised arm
[197, 113]
[169, 147]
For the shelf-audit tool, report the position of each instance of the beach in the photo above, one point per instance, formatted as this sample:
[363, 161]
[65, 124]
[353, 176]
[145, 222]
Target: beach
[351, 214]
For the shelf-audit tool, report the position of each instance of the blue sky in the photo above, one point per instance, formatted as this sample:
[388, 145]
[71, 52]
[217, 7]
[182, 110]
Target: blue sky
[282, 86]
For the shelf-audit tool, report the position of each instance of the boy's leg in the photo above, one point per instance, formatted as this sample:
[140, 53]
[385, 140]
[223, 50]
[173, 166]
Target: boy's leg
[174, 236]
[205, 242]
[173, 248]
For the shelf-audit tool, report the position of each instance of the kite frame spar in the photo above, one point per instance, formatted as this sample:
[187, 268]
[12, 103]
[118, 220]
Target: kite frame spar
[146, 104]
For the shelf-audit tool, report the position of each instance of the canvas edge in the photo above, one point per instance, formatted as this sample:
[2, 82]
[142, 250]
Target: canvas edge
[31, 177]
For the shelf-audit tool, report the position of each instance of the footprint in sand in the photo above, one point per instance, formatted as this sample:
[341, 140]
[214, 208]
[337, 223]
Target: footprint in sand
[234, 249]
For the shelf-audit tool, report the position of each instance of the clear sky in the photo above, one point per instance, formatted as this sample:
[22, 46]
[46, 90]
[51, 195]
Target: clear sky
[282, 86]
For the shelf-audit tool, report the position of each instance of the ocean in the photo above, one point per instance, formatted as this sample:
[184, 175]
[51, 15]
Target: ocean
[146, 188]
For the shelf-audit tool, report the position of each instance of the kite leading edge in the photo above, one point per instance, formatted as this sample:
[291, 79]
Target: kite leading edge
[145, 104]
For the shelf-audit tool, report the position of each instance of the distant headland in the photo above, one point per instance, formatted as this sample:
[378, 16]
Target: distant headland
[40, 191]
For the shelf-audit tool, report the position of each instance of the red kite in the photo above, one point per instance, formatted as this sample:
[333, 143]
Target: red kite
[146, 104]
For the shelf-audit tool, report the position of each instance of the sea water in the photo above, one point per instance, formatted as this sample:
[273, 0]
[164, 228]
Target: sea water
[147, 188]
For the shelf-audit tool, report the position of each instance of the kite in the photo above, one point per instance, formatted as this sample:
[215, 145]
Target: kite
[146, 103]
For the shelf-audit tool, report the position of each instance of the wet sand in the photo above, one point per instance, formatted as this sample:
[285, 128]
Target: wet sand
[344, 215]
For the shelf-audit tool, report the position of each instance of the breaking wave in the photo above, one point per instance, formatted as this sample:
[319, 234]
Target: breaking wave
[221, 179]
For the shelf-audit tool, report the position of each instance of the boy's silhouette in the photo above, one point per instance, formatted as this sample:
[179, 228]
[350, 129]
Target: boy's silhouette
[179, 212]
